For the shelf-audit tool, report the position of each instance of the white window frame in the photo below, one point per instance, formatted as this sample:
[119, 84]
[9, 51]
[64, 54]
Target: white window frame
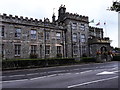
[74, 26]
[82, 27]
[74, 37]
[33, 49]
[47, 35]
[58, 35]
[18, 32]
[47, 50]
[83, 38]
[17, 49]
[33, 34]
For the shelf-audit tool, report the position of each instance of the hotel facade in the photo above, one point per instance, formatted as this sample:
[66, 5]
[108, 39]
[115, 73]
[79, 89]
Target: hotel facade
[68, 36]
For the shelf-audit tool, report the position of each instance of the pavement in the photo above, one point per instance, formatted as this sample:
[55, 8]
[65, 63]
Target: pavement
[93, 75]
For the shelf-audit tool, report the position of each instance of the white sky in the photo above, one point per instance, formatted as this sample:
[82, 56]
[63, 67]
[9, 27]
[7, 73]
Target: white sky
[94, 9]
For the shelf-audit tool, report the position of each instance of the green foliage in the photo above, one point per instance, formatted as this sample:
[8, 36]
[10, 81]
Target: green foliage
[59, 55]
[31, 63]
[116, 58]
[33, 55]
[88, 59]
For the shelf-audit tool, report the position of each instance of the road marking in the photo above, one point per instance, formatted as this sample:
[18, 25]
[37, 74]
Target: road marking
[52, 75]
[77, 73]
[86, 71]
[86, 83]
[32, 74]
[105, 73]
[14, 81]
[38, 78]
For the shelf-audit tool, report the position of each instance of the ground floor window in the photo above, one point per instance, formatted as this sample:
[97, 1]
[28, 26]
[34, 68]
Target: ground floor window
[75, 49]
[83, 49]
[47, 50]
[58, 49]
[33, 49]
[17, 50]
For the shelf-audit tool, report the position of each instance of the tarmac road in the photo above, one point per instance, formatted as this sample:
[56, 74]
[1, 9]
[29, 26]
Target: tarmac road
[93, 75]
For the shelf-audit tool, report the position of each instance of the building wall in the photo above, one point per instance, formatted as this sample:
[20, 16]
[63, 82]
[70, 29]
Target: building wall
[70, 26]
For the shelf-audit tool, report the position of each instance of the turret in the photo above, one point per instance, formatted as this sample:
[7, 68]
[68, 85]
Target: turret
[53, 18]
[61, 13]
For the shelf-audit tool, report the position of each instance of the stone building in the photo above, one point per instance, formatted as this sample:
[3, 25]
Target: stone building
[68, 36]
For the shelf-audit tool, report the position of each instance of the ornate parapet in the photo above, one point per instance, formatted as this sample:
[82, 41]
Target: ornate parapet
[28, 21]
[76, 16]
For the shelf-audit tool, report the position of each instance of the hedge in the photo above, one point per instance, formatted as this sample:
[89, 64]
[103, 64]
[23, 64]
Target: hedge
[116, 58]
[88, 59]
[30, 63]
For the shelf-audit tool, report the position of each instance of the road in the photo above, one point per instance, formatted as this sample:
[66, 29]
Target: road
[93, 75]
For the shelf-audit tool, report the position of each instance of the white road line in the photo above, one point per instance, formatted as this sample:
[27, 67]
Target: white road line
[38, 78]
[116, 71]
[56, 71]
[14, 81]
[86, 71]
[67, 73]
[77, 73]
[86, 83]
[51, 75]
[32, 74]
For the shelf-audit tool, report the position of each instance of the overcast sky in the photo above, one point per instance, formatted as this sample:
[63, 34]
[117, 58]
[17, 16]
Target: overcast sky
[94, 9]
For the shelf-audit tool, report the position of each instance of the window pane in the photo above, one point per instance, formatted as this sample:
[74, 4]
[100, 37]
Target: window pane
[17, 50]
[74, 26]
[58, 35]
[47, 50]
[33, 34]
[75, 37]
[18, 32]
[47, 35]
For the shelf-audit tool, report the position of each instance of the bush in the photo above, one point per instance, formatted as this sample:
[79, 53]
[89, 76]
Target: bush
[116, 58]
[30, 63]
[84, 55]
[88, 59]
[59, 55]
[33, 55]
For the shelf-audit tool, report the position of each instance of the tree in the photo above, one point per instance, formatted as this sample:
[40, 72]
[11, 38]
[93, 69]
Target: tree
[115, 6]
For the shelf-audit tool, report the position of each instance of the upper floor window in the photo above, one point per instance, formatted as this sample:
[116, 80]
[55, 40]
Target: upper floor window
[83, 38]
[17, 50]
[74, 37]
[82, 27]
[33, 34]
[74, 26]
[17, 32]
[47, 35]
[3, 31]
[58, 35]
